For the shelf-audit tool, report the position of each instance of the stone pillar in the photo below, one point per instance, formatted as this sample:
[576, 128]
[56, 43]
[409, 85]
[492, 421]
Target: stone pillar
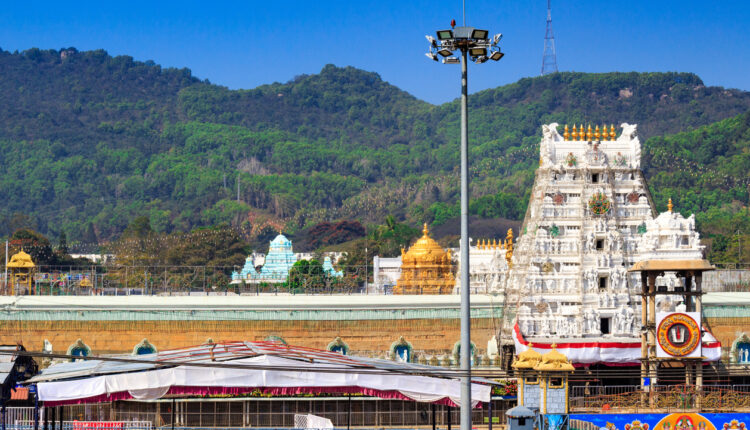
[376, 270]
[651, 327]
[644, 335]
[689, 306]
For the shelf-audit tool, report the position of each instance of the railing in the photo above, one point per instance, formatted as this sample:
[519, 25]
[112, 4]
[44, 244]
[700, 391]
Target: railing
[85, 425]
[632, 398]
[115, 280]
[279, 413]
[19, 416]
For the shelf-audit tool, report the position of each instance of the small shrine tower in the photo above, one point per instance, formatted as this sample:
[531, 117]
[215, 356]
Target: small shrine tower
[21, 276]
[671, 274]
[425, 269]
[543, 382]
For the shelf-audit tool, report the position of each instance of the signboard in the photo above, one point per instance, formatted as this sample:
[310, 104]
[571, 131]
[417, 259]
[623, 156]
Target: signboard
[678, 334]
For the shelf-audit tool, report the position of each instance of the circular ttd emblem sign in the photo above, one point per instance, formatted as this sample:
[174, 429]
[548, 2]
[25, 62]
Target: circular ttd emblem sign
[678, 335]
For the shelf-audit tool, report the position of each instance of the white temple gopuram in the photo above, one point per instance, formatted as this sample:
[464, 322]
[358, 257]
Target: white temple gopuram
[589, 219]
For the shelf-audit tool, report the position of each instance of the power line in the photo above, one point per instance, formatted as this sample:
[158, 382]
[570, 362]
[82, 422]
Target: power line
[579, 375]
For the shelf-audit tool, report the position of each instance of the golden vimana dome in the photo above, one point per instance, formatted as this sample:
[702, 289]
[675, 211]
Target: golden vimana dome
[527, 359]
[21, 260]
[554, 360]
[426, 268]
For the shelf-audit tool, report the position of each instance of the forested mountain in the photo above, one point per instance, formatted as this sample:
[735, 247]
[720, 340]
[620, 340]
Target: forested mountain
[90, 142]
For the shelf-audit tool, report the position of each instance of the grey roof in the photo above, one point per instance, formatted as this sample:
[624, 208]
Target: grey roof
[520, 412]
[7, 361]
[227, 351]
[82, 368]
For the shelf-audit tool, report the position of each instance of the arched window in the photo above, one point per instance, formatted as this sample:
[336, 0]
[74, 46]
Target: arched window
[457, 352]
[144, 348]
[401, 350]
[743, 353]
[338, 345]
[274, 338]
[740, 352]
[79, 349]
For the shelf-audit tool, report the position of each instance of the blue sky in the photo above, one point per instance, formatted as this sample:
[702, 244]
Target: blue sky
[246, 44]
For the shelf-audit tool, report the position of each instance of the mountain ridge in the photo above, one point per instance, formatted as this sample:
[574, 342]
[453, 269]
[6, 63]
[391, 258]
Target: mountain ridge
[92, 141]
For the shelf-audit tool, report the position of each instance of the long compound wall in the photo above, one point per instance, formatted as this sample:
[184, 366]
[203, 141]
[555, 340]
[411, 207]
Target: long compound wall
[368, 337]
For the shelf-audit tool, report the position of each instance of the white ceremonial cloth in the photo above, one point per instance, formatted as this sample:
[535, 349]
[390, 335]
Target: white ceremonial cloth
[612, 352]
[418, 388]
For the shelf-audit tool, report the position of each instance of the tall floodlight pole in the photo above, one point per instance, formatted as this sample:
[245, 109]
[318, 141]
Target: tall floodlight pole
[479, 47]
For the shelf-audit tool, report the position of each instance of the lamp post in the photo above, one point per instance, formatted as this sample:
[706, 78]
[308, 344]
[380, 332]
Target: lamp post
[479, 47]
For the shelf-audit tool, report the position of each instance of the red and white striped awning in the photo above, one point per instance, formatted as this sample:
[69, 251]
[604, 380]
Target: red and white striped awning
[614, 353]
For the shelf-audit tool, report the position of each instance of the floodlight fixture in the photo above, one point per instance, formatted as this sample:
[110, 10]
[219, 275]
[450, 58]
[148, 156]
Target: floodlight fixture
[497, 55]
[477, 51]
[445, 52]
[475, 44]
[445, 34]
[479, 34]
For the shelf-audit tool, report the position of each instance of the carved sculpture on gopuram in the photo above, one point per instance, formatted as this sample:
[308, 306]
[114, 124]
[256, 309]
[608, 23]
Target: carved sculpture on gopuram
[590, 218]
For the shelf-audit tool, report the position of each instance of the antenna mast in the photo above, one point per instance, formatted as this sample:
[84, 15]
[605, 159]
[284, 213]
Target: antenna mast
[549, 59]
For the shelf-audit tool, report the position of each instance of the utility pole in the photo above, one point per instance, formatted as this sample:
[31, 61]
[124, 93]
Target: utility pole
[739, 248]
[5, 285]
[476, 44]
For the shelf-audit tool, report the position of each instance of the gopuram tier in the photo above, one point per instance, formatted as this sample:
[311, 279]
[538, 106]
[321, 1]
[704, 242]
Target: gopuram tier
[590, 218]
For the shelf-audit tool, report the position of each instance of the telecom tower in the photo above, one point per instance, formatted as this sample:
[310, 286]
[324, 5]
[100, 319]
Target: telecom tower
[549, 59]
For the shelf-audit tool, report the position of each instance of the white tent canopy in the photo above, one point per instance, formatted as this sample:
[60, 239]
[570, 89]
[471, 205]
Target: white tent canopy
[248, 366]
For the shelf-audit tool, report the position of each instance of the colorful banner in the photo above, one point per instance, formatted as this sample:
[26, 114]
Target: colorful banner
[676, 421]
[98, 425]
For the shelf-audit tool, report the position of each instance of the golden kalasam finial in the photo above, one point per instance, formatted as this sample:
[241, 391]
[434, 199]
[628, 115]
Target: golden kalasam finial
[589, 133]
[581, 133]
[494, 243]
[509, 247]
[597, 136]
[605, 136]
[566, 134]
[574, 135]
[425, 230]
[612, 132]
[670, 205]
